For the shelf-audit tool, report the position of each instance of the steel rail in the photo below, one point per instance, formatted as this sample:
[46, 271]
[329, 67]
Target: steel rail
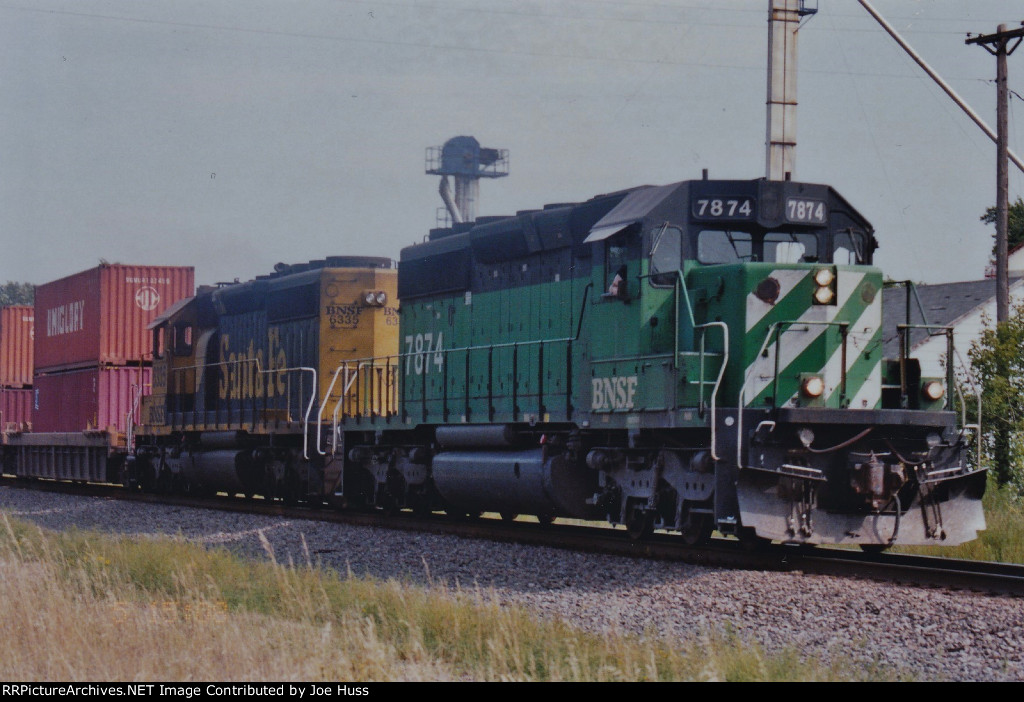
[921, 571]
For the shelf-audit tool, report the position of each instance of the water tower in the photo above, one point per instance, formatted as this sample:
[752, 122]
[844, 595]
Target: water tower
[467, 162]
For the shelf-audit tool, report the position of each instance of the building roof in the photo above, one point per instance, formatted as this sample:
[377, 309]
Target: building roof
[943, 304]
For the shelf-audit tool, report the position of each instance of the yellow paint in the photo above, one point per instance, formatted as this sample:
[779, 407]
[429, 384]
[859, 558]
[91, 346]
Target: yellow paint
[356, 340]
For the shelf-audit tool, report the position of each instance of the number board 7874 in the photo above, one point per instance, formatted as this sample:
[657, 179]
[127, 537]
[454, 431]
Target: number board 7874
[723, 208]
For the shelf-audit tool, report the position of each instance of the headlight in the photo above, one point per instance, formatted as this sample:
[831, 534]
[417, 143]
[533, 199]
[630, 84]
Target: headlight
[813, 386]
[933, 390]
[375, 298]
[824, 295]
[825, 280]
[824, 277]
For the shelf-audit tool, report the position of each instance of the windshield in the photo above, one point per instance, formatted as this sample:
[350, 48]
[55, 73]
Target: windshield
[716, 246]
[723, 246]
[786, 247]
[847, 250]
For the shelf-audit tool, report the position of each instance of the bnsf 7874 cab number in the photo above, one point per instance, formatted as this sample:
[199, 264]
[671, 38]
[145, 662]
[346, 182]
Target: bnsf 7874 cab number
[723, 208]
[803, 211]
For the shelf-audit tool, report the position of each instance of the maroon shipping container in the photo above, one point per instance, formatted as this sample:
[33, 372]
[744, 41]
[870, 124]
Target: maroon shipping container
[91, 398]
[15, 409]
[16, 346]
[99, 316]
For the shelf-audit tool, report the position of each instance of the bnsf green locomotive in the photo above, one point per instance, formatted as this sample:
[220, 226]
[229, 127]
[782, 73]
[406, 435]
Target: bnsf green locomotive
[696, 356]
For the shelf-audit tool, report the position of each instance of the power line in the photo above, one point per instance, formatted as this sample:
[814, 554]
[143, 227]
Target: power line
[442, 47]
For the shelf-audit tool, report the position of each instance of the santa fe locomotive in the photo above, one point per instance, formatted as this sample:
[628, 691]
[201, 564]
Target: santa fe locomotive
[700, 356]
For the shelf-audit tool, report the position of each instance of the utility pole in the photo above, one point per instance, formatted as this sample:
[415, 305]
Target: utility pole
[1001, 44]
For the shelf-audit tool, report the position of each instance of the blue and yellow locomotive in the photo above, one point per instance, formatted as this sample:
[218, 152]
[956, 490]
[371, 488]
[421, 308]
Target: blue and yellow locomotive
[248, 379]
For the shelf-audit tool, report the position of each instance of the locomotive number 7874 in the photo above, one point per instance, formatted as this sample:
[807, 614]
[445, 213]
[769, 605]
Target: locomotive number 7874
[421, 351]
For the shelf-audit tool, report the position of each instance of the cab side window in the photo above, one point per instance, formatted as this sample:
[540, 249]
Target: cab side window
[619, 251]
[182, 339]
[666, 255]
[158, 342]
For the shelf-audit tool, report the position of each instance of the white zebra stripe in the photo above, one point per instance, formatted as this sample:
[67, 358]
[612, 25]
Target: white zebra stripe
[758, 308]
[797, 338]
[860, 334]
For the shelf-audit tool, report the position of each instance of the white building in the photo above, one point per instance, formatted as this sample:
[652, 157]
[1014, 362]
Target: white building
[963, 306]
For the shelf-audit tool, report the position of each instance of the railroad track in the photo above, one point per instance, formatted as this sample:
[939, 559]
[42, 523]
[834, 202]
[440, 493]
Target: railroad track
[926, 571]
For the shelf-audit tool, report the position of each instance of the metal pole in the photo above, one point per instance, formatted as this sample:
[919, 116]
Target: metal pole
[938, 80]
[1000, 48]
[780, 138]
[1002, 186]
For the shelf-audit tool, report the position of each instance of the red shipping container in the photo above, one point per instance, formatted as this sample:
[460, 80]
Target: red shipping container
[99, 316]
[91, 398]
[16, 346]
[15, 409]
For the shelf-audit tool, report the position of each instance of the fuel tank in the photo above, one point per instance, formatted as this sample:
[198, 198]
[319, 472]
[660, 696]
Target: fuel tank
[517, 481]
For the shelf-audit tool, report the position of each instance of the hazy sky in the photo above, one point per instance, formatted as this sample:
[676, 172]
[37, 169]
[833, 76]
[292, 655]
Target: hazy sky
[232, 134]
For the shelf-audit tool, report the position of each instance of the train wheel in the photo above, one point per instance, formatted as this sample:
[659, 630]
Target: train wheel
[751, 541]
[147, 477]
[640, 525]
[874, 549]
[165, 482]
[290, 491]
[388, 504]
[545, 519]
[509, 516]
[697, 529]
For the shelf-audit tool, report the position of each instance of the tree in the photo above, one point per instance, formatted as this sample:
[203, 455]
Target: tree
[997, 359]
[12, 293]
[1014, 223]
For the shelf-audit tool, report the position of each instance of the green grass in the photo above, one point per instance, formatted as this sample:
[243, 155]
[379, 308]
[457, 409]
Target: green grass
[94, 607]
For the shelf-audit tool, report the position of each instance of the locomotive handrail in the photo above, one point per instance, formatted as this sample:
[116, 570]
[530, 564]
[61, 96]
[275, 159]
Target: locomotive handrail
[718, 380]
[680, 289]
[515, 346]
[323, 402]
[309, 408]
[911, 288]
[136, 391]
[348, 383]
[449, 352]
[259, 369]
[963, 405]
[773, 329]
[902, 330]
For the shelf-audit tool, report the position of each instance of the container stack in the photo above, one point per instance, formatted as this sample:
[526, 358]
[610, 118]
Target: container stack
[93, 351]
[15, 368]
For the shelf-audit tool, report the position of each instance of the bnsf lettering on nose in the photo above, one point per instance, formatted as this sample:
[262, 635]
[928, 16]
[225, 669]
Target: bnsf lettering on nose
[613, 393]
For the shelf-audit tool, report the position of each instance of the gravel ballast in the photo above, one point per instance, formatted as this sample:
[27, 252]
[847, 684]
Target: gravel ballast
[933, 634]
